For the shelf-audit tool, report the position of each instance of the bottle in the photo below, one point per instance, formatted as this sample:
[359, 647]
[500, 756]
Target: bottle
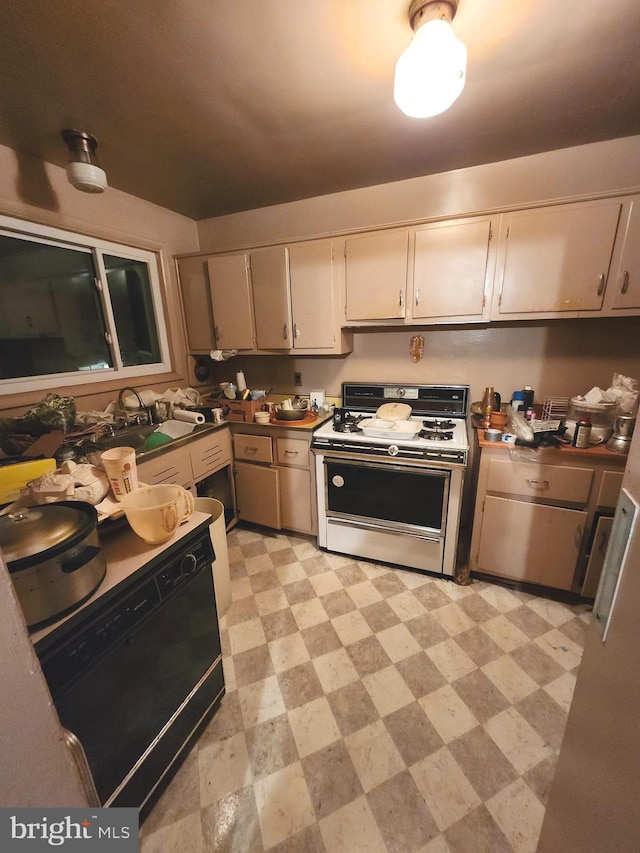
[527, 397]
[582, 434]
[517, 400]
[487, 406]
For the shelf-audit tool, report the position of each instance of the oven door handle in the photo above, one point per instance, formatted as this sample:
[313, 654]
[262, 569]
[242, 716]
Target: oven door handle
[364, 525]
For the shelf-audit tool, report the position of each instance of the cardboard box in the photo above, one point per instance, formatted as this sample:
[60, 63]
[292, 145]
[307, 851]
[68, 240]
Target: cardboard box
[242, 410]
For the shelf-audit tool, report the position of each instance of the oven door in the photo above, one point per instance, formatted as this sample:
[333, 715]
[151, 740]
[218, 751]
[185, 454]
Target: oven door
[404, 499]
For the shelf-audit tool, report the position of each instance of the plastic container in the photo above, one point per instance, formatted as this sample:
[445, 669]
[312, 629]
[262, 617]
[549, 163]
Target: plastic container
[599, 415]
[218, 534]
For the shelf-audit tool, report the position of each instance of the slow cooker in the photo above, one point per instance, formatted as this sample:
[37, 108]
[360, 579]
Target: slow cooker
[54, 557]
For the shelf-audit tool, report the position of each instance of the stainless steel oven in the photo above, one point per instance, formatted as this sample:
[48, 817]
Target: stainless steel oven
[394, 500]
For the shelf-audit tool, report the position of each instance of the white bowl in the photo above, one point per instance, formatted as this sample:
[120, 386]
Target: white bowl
[262, 417]
[155, 512]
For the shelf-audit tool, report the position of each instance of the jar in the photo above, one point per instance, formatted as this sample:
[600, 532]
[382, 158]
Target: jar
[582, 434]
[527, 397]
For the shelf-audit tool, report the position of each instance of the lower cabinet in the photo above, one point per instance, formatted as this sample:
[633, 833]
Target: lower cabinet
[546, 521]
[274, 480]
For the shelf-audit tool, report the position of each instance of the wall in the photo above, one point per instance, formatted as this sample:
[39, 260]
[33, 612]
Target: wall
[39, 192]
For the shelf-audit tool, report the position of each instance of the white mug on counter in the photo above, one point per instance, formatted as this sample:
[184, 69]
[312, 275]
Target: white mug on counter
[216, 416]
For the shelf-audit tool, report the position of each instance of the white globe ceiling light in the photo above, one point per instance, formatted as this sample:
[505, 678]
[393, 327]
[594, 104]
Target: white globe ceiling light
[83, 169]
[431, 72]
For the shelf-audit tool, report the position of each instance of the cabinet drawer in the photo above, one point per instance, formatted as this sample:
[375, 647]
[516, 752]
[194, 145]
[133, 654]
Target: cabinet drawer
[170, 467]
[210, 453]
[253, 448]
[609, 490]
[544, 482]
[292, 451]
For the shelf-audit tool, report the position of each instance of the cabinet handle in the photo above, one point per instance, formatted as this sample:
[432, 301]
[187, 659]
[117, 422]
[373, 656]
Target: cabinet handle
[625, 282]
[417, 296]
[251, 450]
[216, 332]
[296, 331]
[284, 331]
[538, 484]
[604, 541]
[400, 298]
[291, 453]
[578, 536]
[601, 281]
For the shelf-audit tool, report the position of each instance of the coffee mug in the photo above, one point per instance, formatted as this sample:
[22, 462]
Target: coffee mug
[216, 415]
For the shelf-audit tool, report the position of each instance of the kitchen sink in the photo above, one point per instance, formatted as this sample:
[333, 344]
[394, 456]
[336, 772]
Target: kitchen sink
[130, 436]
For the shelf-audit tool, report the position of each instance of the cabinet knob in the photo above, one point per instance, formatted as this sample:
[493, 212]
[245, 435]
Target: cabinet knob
[625, 282]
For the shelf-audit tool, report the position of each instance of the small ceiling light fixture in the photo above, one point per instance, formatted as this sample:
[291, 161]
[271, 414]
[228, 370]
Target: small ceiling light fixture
[83, 169]
[430, 74]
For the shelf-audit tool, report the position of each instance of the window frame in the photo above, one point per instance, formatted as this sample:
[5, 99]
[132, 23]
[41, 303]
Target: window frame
[97, 247]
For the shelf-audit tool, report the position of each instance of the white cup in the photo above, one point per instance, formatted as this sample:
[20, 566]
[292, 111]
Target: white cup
[216, 414]
[155, 512]
[120, 466]
[286, 404]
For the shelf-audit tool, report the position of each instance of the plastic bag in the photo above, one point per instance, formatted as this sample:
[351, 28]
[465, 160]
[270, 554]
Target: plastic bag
[54, 412]
[517, 424]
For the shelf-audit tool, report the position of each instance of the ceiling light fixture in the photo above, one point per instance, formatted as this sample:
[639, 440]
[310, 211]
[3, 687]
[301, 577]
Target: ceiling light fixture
[83, 169]
[430, 74]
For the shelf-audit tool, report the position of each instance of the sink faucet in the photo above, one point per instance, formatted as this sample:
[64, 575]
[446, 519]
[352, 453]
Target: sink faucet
[148, 410]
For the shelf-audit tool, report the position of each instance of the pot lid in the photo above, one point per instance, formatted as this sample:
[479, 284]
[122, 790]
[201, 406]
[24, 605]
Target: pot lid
[34, 530]
[394, 412]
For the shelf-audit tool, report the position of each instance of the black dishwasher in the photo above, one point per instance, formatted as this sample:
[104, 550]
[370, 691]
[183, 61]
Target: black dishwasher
[134, 678]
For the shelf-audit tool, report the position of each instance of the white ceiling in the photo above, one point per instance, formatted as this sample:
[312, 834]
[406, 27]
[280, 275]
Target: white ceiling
[209, 107]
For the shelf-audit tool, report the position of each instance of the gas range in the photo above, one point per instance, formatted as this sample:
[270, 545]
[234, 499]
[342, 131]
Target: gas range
[439, 411]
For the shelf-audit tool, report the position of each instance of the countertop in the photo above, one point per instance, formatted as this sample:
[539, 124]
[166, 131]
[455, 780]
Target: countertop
[597, 451]
[125, 554]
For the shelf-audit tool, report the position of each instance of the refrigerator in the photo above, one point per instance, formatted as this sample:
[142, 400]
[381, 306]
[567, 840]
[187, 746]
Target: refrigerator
[594, 801]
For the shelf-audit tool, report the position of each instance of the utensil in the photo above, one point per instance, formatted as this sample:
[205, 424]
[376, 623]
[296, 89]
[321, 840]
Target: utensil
[623, 428]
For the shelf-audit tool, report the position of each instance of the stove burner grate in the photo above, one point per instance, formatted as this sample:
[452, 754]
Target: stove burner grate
[438, 425]
[435, 435]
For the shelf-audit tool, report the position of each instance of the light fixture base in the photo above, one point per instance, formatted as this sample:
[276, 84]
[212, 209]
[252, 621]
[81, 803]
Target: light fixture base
[421, 11]
[83, 170]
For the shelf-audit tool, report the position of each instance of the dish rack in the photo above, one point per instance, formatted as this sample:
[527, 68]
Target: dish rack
[555, 408]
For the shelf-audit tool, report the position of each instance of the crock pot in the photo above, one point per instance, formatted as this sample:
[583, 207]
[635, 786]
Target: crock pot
[54, 557]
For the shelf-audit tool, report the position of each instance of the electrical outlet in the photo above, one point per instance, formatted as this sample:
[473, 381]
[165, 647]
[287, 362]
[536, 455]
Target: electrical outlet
[297, 379]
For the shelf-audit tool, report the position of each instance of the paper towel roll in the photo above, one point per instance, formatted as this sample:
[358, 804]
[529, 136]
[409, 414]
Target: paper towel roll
[188, 417]
[240, 381]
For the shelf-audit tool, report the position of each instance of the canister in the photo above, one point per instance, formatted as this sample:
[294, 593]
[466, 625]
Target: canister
[582, 434]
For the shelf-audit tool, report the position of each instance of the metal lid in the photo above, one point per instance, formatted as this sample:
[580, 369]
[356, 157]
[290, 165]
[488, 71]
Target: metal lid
[36, 530]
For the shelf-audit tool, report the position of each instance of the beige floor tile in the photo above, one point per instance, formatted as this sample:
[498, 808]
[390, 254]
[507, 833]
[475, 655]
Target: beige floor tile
[453, 591]
[448, 713]
[351, 627]
[413, 734]
[561, 689]
[284, 805]
[519, 814]
[509, 678]
[413, 580]
[402, 815]
[233, 756]
[313, 726]
[364, 593]
[352, 707]
[260, 701]
[309, 613]
[504, 633]
[288, 651]
[545, 716]
[183, 836]
[299, 685]
[374, 755]
[398, 642]
[480, 695]
[331, 778]
[246, 635]
[450, 659]
[438, 845]
[352, 829]
[271, 746]
[553, 612]
[446, 790]
[229, 674]
[260, 563]
[276, 542]
[387, 690]
[270, 601]
[563, 651]
[482, 762]
[335, 669]
[240, 588]
[453, 619]
[500, 598]
[420, 674]
[518, 741]
[290, 573]
[304, 550]
[406, 606]
[231, 824]
[337, 561]
[325, 583]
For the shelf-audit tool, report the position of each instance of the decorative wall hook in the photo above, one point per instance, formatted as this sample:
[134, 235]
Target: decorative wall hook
[416, 347]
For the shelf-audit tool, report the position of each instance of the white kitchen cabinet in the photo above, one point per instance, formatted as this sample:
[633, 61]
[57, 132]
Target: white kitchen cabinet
[230, 290]
[297, 491]
[271, 302]
[196, 300]
[625, 290]
[453, 271]
[555, 261]
[539, 521]
[257, 494]
[170, 466]
[376, 267]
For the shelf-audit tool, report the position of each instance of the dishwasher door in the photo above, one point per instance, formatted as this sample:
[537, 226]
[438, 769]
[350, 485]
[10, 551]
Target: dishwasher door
[134, 683]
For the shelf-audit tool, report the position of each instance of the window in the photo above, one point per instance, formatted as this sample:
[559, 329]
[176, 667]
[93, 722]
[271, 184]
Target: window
[75, 310]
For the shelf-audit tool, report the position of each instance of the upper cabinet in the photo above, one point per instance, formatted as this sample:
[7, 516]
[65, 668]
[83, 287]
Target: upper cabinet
[316, 302]
[230, 290]
[441, 272]
[623, 294]
[271, 302]
[555, 261]
[194, 283]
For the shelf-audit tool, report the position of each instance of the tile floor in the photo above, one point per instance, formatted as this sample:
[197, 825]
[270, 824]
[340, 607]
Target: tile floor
[373, 709]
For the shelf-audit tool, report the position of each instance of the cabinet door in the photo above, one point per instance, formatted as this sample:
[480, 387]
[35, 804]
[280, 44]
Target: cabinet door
[627, 283]
[295, 500]
[172, 466]
[376, 275]
[257, 494]
[312, 295]
[530, 542]
[231, 301]
[196, 300]
[450, 274]
[270, 279]
[210, 453]
[596, 558]
[556, 260]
